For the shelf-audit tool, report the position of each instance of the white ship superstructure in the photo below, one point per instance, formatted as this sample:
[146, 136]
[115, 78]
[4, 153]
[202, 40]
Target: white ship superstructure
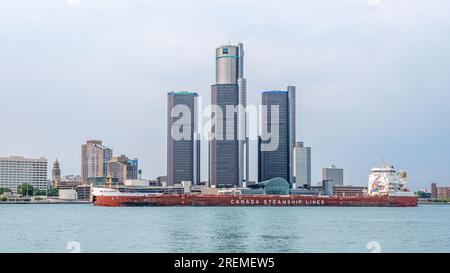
[387, 181]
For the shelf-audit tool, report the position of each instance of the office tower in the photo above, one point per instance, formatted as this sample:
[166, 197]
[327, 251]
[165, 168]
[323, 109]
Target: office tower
[16, 170]
[117, 168]
[228, 155]
[334, 174]
[122, 168]
[224, 151]
[94, 159]
[107, 156]
[183, 150]
[302, 165]
[277, 161]
[292, 129]
[56, 174]
[133, 169]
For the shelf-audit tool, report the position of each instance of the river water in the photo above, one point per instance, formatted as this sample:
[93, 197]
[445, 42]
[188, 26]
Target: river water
[87, 228]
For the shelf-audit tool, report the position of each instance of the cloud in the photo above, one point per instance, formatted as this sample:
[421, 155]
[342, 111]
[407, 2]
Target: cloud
[374, 2]
[73, 2]
[361, 70]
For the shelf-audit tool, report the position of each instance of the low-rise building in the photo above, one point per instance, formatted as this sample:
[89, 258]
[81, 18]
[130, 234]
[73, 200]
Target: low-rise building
[137, 183]
[162, 180]
[70, 182]
[67, 194]
[339, 190]
[332, 190]
[84, 192]
[439, 192]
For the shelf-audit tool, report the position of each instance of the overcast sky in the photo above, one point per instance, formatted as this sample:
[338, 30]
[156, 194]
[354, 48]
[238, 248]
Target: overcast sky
[372, 76]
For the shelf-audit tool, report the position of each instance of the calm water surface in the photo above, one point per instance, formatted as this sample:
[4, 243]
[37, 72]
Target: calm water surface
[50, 228]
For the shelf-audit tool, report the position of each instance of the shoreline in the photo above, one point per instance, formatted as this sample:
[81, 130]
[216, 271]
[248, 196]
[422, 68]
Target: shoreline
[428, 202]
[45, 202]
[421, 202]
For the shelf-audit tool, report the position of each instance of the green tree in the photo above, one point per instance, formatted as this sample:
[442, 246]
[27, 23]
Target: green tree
[422, 194]
[3, 190]
[52, 192]
[26, 189]
[40, 192]
[3, 198]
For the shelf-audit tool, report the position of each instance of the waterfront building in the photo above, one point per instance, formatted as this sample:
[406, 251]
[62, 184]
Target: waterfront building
[318, 188]
[137, 183]
[278, 161]
[275, 185]
[439, 192]
[302, 165]
[334, 174]
[228, 153]
[183, 151]
[70, 181]
[305, 191]
[83, 192]
[56, 174]
[339, 190]
[102, 181]
[16, 170]
[161, 180]
[67, 194]
[424, 193]
[94, 160]
[328, 188]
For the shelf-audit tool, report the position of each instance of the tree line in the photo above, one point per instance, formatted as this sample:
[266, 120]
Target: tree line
[26, 189]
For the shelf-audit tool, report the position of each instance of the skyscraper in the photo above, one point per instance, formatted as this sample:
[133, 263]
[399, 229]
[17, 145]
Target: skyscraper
[94, 159]
[183, 152]
[228, 155]
[292, 128]
[278, 162]
[302, 165]
[107, 156]
[333, 174]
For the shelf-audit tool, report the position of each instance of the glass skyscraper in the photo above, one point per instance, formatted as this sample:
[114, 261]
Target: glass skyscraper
[183, 155]
[302, 165]
[228, 153]
[277, 162]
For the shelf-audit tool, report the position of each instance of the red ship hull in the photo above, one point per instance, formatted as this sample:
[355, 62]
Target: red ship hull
[255, 200]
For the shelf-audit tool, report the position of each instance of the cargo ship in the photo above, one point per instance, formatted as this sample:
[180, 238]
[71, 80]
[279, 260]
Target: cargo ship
[386, 188]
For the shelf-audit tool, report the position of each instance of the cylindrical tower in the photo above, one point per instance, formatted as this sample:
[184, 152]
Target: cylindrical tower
[228, 156]
[227, 64]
